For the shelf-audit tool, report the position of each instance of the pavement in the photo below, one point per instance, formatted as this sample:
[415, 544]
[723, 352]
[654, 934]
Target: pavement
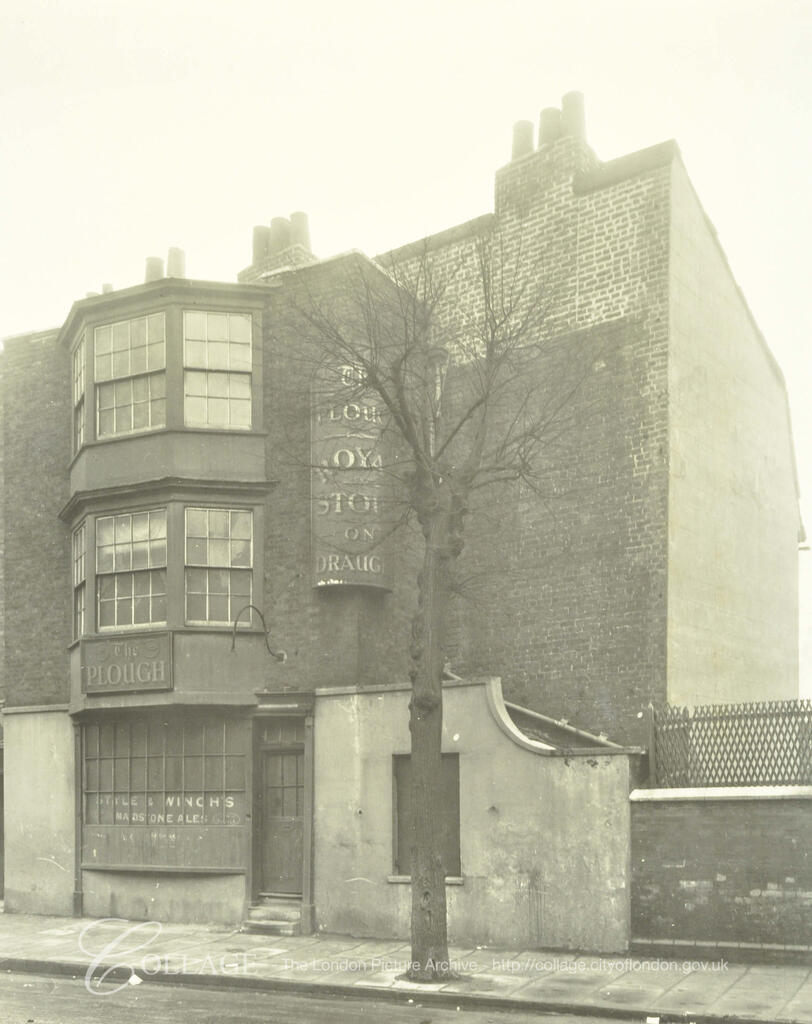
[119, 952]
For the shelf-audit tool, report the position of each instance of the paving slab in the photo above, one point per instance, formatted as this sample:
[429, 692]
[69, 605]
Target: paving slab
[519, 978]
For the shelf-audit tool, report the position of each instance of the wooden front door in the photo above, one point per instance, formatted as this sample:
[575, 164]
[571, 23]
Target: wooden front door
[282, 821]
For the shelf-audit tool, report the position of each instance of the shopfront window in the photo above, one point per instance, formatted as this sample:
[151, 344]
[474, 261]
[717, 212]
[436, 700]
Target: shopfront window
[150, 771]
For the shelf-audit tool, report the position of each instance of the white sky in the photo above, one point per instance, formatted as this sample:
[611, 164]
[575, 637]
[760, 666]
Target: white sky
[130, 127]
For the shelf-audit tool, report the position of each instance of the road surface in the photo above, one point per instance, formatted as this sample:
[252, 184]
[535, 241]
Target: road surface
[34, 999]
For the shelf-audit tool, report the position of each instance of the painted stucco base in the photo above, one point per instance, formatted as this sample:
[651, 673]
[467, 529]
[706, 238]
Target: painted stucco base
[197, 899]
[543, 840]
[39, 813]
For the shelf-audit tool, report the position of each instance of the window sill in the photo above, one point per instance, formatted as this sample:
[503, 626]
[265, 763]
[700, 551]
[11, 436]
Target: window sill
[407, 880]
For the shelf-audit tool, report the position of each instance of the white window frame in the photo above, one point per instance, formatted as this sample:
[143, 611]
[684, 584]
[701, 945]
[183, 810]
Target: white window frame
[79, 566]
[194, 564]
[117, 574]
[109, 377]
[202, 368]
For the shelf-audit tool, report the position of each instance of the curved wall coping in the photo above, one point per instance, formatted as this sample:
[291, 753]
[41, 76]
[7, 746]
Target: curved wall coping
[723, 793]
[496, 706]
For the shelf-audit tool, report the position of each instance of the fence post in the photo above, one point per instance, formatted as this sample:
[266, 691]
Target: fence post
[652, 747]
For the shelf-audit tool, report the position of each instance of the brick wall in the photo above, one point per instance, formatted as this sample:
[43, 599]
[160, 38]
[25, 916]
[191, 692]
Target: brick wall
[566, 589]
[37, 598]
[732, 871]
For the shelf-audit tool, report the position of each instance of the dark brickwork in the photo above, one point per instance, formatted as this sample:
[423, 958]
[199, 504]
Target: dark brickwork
[37, 581]
[566, 589]
[722, 871]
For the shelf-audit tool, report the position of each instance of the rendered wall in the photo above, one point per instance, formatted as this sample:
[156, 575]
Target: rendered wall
[202, 899]
[543, 840]
[719, 870]
[39, 813]
[733, 511]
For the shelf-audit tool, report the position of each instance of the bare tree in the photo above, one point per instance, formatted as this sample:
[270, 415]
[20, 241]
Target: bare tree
[477, 392]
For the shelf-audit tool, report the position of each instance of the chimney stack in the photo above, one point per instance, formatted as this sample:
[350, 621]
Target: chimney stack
[573, 120]
[175, 262]
[261, 243]
[280, 235]
[300, 230]
[154, 269]
[522, 139]
[106, 288]
[549, 125]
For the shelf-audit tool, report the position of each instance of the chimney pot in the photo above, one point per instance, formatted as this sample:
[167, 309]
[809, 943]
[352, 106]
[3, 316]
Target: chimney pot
[573, 120]
[549, 125]
[300, 230]
[106, 288]
[175, 262]
[280, 235]
[154, 269]
[522, 139]
[261, 242]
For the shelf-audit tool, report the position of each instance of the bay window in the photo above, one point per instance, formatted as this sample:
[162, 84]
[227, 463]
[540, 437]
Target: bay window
[79, 580]
[131, 569]
[79, 395]
[217, 370]
[219, 560]
[129, 370]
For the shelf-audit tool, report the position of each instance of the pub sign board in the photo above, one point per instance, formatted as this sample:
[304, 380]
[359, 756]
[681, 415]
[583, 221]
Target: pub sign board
[127, 664]
[350, 484]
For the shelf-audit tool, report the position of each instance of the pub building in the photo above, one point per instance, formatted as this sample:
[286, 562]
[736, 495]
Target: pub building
[205, 627]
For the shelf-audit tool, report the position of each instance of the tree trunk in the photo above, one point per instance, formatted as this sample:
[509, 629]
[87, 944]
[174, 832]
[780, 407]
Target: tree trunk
[429, 931]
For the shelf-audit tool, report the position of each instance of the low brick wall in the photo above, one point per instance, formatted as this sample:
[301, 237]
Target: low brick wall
[726, 866]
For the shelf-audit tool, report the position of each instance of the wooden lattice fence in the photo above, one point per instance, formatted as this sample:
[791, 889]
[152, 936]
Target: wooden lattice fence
[765, 743]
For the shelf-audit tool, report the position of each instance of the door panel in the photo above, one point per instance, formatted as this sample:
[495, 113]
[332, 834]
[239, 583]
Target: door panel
[282, 821]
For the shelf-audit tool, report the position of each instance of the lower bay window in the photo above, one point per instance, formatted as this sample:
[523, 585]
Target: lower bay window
[158, 567]
[219, 559]
[131, 569]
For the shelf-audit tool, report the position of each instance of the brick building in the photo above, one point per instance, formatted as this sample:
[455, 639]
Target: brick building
[158, 486]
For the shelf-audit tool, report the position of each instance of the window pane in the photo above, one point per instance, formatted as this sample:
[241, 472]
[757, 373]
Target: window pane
[239, 385]
[196, 549]
[196, 608]
[218, 609]
[241, 525]
[217, 355]
[194, 325]
[240, 327]
[219, 523]
[217, 412]
[217, 327]
[240, 414]
[138, 362]
[195, 353]
[103, 340]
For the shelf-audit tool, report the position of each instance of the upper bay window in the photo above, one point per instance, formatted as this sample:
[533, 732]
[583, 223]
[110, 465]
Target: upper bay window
[129, 370]
[131, 569]
[79, 394]
[217, 370]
